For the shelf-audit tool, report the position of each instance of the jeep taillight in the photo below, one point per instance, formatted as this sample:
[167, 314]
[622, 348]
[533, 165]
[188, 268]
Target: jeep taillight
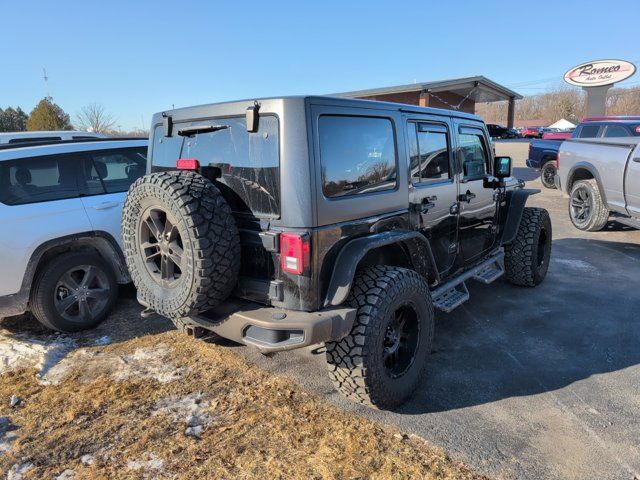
[294, 253]
[187, 164]
[558, 161]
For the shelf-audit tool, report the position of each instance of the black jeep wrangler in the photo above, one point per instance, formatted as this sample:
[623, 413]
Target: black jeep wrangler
[287, 222]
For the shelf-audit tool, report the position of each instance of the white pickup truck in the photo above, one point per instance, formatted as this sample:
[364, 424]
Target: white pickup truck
[601, 177]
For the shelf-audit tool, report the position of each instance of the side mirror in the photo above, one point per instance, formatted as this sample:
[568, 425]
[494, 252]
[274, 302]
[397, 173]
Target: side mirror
[502, 167]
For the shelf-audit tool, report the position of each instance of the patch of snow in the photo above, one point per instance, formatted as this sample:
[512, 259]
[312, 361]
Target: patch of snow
[7, 437]
[191, 409]
[22, 351]
[106, 340]
[148, 362]
[575, 264]
[67, 475]
[153, 462]
[18, 470]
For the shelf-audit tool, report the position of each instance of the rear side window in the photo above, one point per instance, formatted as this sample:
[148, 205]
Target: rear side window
[429, 146]
[613, 131]
[38, 179]
[588, 131]
[473, 153]
[357, 155]
[249, 163]
[118, 169]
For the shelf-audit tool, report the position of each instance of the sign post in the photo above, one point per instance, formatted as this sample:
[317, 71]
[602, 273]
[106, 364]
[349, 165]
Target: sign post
[596, 78]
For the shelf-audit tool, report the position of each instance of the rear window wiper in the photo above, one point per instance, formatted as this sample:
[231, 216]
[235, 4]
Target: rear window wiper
[191, 131]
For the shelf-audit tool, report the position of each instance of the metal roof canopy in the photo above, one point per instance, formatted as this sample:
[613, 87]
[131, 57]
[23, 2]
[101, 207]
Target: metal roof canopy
[486, 90]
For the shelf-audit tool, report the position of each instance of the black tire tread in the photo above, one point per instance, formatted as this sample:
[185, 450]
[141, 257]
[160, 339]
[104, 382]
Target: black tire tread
[520, 255]
[346, 357]
[214, 240]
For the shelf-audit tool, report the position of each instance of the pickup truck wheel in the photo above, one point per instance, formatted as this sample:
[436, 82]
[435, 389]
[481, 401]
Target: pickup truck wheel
[181, 243]
[548, 173]
[73, 292]
[587, 210]
[526, 259]
[382, 360]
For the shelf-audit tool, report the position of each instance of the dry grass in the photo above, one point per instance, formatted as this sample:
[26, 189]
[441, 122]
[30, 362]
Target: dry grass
[261, 426]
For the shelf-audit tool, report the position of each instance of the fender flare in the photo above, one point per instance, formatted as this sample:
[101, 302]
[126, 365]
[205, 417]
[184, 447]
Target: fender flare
[592, 170]
[100, 240]
[516, 199]
[349, 257]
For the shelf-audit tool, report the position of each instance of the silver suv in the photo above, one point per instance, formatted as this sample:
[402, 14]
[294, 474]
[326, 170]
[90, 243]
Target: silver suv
[60, 247]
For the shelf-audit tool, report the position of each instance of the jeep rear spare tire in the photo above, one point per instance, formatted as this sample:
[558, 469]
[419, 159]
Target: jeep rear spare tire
[181, 243]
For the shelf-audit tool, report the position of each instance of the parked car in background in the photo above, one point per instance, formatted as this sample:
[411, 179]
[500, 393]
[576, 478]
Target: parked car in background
[499, 131]
[543, 153]
[557, 135]
[39, 136]
[601, 177]
[60, 241]
[532, 132]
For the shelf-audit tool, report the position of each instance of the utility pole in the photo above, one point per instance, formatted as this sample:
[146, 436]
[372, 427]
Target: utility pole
[46, 80]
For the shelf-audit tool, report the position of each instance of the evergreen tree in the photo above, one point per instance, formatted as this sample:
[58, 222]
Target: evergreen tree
[48, 116]
[13, 120]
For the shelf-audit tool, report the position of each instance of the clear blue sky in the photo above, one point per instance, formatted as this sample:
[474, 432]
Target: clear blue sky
[140, 57]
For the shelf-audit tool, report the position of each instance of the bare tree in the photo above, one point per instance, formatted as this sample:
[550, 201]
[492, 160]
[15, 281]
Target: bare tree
[94, 118]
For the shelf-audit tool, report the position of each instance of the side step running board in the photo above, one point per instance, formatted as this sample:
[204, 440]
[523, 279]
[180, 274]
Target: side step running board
[452, 298]
[454, 293]
[490, 273]
[628, 221]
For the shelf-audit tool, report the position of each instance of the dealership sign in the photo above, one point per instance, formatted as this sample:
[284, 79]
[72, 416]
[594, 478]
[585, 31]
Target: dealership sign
[599, 73]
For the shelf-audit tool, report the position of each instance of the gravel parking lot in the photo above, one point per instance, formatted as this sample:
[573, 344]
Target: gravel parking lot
[523, 383]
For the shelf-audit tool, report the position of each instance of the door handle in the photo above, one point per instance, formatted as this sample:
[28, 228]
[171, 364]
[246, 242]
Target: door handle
[428, 203]
[466, 197]
[637, 159]
[106, 205]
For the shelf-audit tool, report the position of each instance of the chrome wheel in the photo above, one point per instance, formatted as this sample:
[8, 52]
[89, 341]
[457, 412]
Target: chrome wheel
[161, 246]
[82, 294]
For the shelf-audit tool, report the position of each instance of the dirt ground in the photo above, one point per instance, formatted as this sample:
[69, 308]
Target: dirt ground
[136, 399]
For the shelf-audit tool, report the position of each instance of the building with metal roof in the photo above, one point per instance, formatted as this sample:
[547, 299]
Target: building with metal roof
[453, 94]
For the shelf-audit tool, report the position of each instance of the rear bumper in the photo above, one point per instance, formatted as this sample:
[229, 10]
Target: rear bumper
[531, 164]
[275, 329]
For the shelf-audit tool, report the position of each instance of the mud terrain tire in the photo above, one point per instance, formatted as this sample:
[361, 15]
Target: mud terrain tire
[359, 364]
[195, 225]
[526, 259]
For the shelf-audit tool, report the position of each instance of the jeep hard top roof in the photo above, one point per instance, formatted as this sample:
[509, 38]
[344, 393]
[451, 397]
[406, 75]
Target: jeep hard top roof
[238, 107]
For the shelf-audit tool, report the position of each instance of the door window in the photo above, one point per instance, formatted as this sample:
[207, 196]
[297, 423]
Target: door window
[37, 179]
[357, 155]
[429, 152]
[473, 154]
[616, 131]
[588, 131]
[117, 169]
